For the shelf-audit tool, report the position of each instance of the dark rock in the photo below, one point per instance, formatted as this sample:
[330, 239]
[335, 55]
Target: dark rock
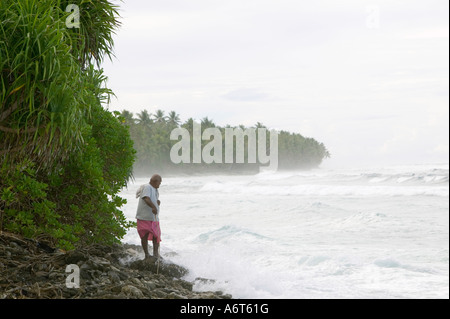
[174, 295]
[185, 284]
[123, 275]
[41, 275]
[114, 276]
[132, 291]
[108, 272]
[98, 263]
[165, 268]
[85, 274]
[45, 247]
[150, 285]
[75, 256]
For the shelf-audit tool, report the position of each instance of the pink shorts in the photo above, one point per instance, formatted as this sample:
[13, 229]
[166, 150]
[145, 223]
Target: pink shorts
[149, 228]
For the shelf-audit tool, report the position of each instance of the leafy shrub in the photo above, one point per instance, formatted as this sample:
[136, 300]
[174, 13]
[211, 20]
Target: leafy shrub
[63, 157]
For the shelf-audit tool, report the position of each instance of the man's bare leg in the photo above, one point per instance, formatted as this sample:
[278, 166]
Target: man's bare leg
[155, 247]
[144, 242]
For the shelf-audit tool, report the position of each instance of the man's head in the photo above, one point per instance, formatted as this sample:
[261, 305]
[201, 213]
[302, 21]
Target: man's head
[155, 181]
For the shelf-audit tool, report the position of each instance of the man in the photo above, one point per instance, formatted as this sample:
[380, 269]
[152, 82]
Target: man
[147, 215]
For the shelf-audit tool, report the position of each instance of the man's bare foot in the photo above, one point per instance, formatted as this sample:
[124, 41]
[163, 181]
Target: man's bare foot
[150, 259]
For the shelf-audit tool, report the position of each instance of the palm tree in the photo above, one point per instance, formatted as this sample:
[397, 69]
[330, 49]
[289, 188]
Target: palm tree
[189, 125]
[127, 117]
[173, 118]
[94, 40]
[47, 76]
[159, 116]
[206, 122]
[144, 119]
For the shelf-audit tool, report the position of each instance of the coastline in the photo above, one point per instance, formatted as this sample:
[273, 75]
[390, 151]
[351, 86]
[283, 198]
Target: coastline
[30, 269]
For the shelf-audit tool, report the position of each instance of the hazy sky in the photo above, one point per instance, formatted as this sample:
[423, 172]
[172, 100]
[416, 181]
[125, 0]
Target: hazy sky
[369, 79]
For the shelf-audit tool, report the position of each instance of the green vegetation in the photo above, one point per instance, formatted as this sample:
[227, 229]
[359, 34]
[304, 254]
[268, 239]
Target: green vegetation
[151, 136]
[63, 157]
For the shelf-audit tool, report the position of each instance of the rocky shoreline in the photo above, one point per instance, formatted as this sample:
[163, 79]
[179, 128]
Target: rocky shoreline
[32, 270]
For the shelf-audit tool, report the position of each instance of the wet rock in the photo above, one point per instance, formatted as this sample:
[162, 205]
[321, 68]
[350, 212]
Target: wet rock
[204, 280]
[132, 291]
[164, 267]
[185, 284]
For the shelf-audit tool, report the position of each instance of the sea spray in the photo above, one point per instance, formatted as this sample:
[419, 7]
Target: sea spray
[309, 234]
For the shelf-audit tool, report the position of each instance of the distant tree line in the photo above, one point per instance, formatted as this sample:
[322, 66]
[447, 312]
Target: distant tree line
[151, 136]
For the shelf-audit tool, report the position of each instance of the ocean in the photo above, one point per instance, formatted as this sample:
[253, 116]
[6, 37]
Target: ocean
[323, 233]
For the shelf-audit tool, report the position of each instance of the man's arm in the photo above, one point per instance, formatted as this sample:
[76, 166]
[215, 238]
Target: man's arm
[150, 203]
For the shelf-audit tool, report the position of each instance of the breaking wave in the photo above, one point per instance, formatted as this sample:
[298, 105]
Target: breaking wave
[427, 182]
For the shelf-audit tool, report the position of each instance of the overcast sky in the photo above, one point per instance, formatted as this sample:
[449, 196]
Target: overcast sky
[369, 79]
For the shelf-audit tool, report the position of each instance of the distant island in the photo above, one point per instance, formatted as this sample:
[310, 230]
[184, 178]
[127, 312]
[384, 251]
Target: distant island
[151, 136]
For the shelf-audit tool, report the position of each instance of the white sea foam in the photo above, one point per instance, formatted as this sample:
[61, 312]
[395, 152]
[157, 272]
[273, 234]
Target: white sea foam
[355, 233]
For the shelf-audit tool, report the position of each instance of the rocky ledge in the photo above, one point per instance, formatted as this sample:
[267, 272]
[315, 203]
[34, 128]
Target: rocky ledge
[31, 269]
